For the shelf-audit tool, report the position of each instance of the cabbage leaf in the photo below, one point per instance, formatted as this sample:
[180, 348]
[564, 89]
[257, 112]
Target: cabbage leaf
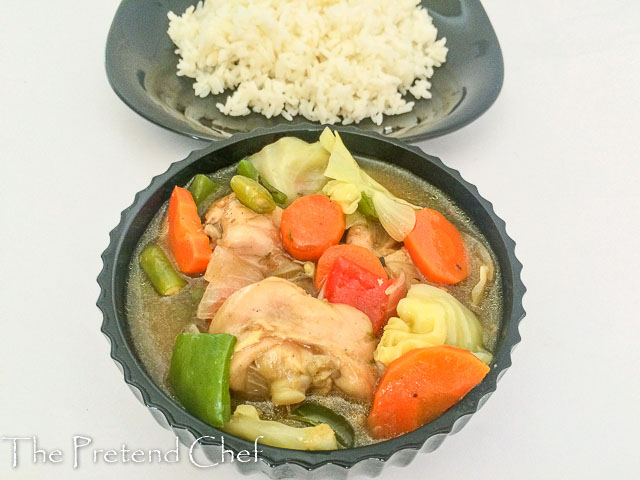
[349, 181]
[293, 166]
[429, 317]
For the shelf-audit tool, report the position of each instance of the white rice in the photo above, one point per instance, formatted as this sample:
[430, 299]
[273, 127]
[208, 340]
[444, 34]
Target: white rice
[332, 61]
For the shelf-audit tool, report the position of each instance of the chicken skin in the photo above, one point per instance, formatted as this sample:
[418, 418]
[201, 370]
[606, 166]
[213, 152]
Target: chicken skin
[296, 342]
[248, 248]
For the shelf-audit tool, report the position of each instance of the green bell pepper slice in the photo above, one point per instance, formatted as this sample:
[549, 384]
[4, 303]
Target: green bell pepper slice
[199, 375]
[311, 413]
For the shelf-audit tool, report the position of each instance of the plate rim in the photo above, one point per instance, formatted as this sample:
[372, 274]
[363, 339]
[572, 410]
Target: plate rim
[183, 128]
[175, 418]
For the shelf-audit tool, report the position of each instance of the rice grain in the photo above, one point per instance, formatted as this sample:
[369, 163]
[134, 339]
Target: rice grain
[331, 61]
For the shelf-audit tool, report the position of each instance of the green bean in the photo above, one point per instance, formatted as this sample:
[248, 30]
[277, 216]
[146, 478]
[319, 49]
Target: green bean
[366, 206]
[246, 169]
[312, 413]
[279, 197]
[252, 194]
[160, 271]
[201, 187]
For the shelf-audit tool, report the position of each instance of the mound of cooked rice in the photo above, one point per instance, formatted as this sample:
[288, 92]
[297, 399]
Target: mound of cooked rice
[332, 61]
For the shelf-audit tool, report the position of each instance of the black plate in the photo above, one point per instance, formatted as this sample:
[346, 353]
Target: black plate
[141, 67]
[278, 462]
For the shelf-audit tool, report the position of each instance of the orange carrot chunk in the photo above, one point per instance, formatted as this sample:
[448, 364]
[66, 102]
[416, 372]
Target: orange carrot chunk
[356, 253]
[420, 386]
[310, 225]
[437, 249]
[187, 240]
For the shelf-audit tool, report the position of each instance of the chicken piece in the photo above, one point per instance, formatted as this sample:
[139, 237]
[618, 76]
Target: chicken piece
[291, 369]
[248, 248]
[400, 265]
[371, 235]
[243, 231]
[296, 342]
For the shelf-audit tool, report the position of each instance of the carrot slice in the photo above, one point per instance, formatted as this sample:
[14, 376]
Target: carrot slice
[310, 225]
[187, 240]
[420, 386]
[437, 249]
[357, 254]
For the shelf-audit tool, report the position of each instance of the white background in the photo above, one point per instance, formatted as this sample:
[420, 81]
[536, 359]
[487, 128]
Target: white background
[558, 155]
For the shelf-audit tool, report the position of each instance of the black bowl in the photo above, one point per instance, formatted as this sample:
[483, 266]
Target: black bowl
[278, 462]
[141, 67]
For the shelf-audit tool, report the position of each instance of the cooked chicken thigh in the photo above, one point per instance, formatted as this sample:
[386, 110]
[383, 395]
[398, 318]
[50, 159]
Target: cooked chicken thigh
[244, 231]
[371, 235]
[248, 248]
[400, 265]
[296, 342]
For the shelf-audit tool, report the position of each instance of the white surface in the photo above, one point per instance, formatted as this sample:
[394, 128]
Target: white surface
[557, 155]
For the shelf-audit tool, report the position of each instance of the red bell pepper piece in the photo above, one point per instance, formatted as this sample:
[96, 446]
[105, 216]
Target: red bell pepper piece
[350, 284]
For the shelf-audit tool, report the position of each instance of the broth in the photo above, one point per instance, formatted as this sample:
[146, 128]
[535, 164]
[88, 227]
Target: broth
[155, 321]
